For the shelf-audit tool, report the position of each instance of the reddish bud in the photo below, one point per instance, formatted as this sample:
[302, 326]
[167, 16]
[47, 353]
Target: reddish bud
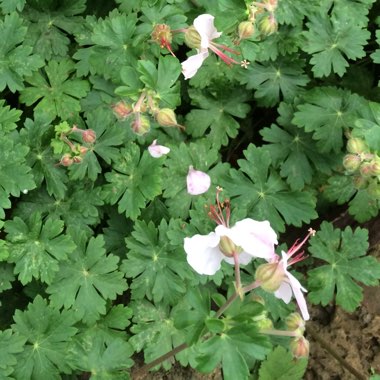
[89, 136]
[77, 159]
[122, 110]
[83, 150]
[66, 160]
[141, 125]
[162, 35]
[300, 347]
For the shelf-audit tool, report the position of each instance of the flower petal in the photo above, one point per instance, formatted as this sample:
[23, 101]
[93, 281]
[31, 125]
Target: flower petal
[193, 63]
[156, 150]
[197, 182]
[203, 254]
[300, 298]
[284, 292]
[256, 238]
[244, 259]
[204, 25]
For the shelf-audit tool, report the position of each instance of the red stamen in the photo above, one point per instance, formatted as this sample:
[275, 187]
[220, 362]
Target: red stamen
[225, 58]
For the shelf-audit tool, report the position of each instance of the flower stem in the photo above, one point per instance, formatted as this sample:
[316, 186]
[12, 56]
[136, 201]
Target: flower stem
[237, 273]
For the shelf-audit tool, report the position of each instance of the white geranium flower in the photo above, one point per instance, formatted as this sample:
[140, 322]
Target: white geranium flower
[249, 238]
[203, 36]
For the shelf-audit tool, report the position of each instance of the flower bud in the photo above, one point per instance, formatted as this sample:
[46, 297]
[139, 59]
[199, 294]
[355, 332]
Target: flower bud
[366, 169]
[83, 150]
[300, 347]
[295, 322]
[192, 38]
[197, 182]
[122, 110]
[166, 117]
[162, 35]
[264, 324]
[89, 136]
[356, 145]
[141, 125]
[376, 167]
[228, 247]
[77, 159]
[66, 160]
[351, 162]
[245, 30]
[268, 25]
[360, 182]
[270, 5]
[270, 276]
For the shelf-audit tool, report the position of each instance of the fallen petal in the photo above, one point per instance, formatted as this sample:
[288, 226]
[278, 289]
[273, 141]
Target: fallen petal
[197, 182]
[156, 150]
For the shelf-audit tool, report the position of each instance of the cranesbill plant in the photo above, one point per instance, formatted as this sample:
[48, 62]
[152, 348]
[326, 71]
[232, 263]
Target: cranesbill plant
[157, 158]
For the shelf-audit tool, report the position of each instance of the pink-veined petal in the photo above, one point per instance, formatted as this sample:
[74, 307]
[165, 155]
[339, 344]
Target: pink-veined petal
[203, 253]
[256, 238]
[300, 298]
[156, 150]
[193, 63]
[204, 25]
[197, 182]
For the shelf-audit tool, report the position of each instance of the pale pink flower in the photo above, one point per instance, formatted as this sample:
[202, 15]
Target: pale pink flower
[197, 182]
[249, 238]
[204, 25]
[156, 150]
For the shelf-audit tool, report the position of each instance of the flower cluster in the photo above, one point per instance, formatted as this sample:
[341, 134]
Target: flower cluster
[238, 245]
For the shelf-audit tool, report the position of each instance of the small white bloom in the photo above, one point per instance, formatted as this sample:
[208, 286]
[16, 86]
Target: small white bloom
[197, 182]
[251, 238]
[157, 151]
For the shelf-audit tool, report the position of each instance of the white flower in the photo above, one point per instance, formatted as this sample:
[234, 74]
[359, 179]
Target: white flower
[204, 25]
[157, 151]
[248, 237]
[197, 182]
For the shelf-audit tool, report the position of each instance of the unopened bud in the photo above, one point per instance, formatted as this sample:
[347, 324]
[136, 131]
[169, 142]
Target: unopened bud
[245, 30]
[351, 162]
[122, 110]
[366, 169]
[300, 347]
[66, 160]
[268, 25]
[270, 5]
[356, 145]
[192, 38]
[264, 324]
[295, 322]
[83, 150]
[270, 276]
[166, 117]
[77, 159]
[141, 125]
[89, 136]
[227, 246]
[162, 35]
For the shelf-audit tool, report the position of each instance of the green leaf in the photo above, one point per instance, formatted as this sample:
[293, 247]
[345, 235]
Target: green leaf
[90, 278]
[370, 129]
[103, 361]
[37, 247]
[294, 151]
[260, 191]
[17, 59]
[280, 365]
[8, 117]
[57, 91]
[162, 80]
[48, 333]
[215, 120]
[344, 252]
[364, 206]
[108, 136]
[158, 269]
[15, 176]
[38, 135]
[327, 112]
[333, 41]
[10, 344]
[9, 6]
[273, 81]
[376, 54]
[6, 276]
[134, 181]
